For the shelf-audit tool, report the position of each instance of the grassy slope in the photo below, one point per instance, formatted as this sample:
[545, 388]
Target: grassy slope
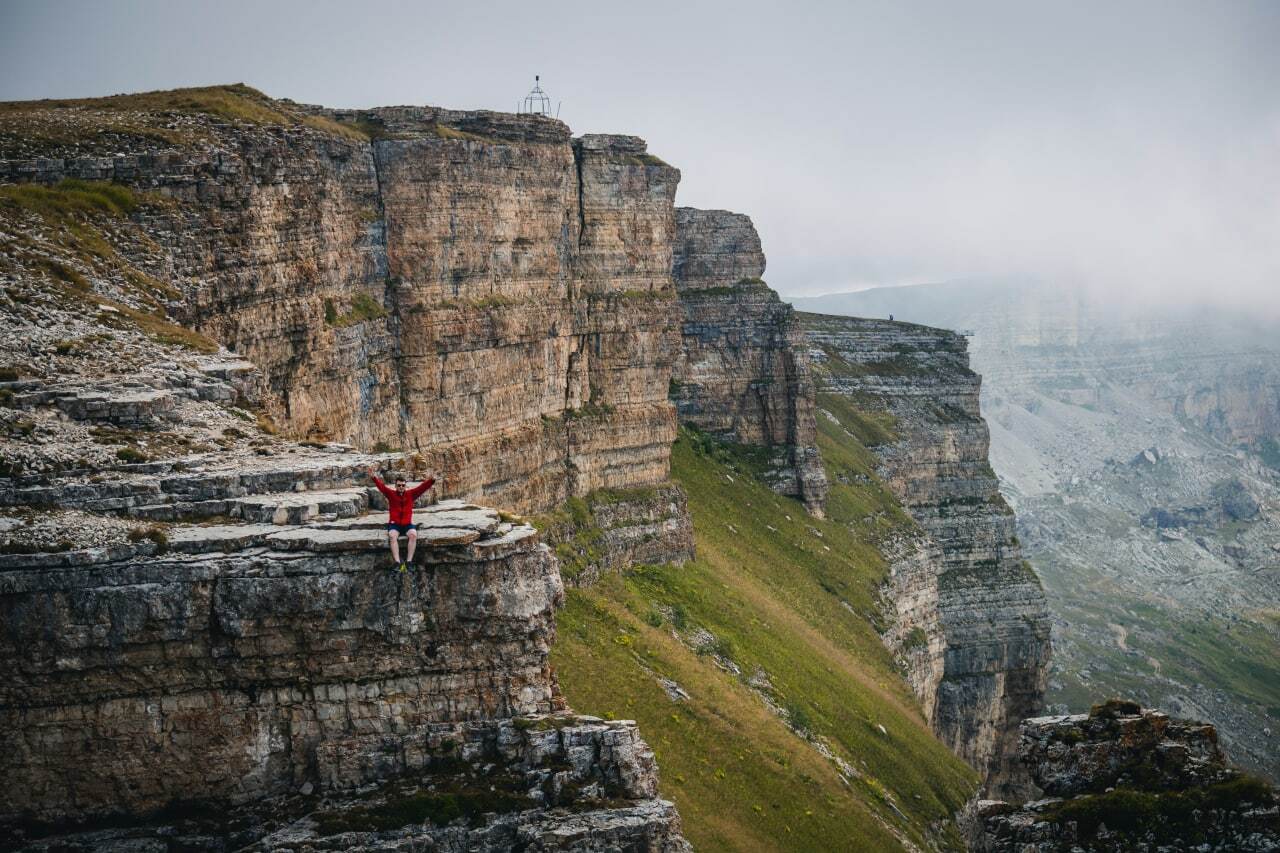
[234, 102]
[777, 601]
[74, 219]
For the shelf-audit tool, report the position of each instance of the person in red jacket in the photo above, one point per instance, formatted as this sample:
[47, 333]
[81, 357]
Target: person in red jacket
[400, 513]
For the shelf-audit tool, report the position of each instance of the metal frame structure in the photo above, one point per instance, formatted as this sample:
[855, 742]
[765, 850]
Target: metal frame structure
[537, 102]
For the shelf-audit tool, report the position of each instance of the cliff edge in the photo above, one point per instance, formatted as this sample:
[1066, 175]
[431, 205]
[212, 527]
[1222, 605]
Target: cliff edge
[973, 621]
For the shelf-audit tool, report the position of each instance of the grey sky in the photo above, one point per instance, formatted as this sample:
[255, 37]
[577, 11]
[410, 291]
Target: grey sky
[1132, 146]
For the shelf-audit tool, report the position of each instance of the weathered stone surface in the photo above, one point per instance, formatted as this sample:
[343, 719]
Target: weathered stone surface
[534, 782]
[743, 370]
[1122, 778]
[476, 286]
[990, 607]
[232, 676]
[535, 303]
[1120, 745]
[914, 623]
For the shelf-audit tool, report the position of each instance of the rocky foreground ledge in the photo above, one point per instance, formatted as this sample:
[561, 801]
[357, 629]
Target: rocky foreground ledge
[252, 671]
[1122, 778]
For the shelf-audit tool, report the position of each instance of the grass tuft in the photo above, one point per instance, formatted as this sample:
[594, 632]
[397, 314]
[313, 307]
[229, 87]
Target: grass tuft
[69, 197]
[363, 308]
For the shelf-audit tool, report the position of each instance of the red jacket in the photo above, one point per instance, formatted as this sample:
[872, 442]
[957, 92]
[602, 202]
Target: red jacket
[401, 506]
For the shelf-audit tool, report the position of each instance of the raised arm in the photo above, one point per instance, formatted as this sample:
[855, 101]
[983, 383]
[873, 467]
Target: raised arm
[422, 487]
[377, 481]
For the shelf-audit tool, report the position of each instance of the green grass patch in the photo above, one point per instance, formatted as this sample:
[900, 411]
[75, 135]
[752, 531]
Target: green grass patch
[131, 455]
[234, 102]
[363, 308]
[645, 159]
[446, 132]
[871, 427]
[69, 197]
[156, 326]
[336, 128]
[775, 601]
[438, 808]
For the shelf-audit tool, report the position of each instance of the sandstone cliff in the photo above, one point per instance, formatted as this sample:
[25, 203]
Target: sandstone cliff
[203, 641]
[475, 286]
[743, 373]
[907, 392]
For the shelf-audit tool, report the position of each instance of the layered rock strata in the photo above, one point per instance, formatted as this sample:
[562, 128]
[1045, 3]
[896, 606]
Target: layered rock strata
[1122, 778]
[742, 373]
[289, 659]
[272, 653]
[1106, 418]
[478, 287]
[913, 624]
[559, 782]
[932, 453]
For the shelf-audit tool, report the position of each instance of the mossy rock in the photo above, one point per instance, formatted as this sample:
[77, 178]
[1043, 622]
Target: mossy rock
[1113, 708]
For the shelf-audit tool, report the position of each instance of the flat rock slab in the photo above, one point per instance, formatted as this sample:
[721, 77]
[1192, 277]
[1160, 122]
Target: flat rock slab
[221, 537]
[432, 521]
[300, 507]
[325, 540]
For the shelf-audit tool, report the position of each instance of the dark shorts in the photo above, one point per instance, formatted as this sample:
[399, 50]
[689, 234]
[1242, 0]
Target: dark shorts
[402, 529]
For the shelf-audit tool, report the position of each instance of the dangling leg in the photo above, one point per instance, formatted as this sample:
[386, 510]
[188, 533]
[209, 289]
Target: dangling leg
[394, 536]
[413, 541]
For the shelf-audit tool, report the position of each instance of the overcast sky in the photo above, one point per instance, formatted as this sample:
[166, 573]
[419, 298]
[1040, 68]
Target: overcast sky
[1128, 145]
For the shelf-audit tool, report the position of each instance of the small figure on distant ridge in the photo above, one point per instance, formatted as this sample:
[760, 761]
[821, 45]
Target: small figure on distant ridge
[400, 513]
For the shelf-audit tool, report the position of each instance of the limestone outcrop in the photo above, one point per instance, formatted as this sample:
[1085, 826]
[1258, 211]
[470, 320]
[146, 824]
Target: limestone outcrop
[1123, 778]
[743, 373]
[914, 386]
[262, 656]
[211, 324]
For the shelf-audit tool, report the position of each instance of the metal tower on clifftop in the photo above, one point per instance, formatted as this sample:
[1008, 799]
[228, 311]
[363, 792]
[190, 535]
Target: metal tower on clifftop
[537, 102]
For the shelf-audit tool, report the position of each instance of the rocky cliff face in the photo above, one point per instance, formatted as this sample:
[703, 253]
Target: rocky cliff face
[919, 402]
[742, 373]
[1120, 778]
[476, 286]
[205, 645]
[272, 665]
[1138, 447]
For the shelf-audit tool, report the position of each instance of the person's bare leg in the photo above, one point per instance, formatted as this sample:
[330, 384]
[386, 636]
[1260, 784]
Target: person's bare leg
[394, 536]
[413, 541]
